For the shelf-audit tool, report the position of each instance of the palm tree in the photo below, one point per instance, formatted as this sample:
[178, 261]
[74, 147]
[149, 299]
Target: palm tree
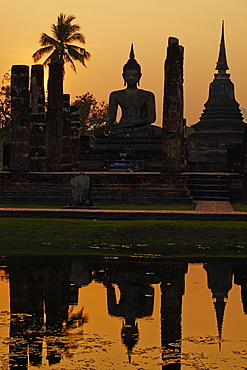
[64, 33]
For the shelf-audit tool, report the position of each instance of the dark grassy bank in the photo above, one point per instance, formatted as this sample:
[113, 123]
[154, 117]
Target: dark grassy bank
[113, 207]
[123, 238]
[240, 207]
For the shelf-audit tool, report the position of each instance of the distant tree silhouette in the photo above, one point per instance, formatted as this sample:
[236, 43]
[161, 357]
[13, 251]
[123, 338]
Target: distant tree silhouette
[59, 46]
[5, 109]
[92, 113]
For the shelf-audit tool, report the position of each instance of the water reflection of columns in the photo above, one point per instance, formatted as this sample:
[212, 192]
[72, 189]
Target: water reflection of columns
[33, 286]
[36, 294]
[62, 282]
[56, 307]
[172, 290]
[26, 308]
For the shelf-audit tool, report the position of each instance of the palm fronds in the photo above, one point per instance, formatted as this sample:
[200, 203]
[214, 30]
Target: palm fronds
[64, 33]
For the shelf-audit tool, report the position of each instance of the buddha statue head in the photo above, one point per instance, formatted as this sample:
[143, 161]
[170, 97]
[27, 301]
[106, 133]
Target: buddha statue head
[131, 70]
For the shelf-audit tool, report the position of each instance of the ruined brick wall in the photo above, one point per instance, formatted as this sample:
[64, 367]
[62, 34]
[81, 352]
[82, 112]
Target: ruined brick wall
[66, 161]
[54, 118]
[37, 118]
[52, 188]
[75, 137]
[173, 123]
[20, 136]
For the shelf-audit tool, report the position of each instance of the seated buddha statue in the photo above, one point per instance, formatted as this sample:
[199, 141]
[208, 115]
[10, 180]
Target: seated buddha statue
[137, 106]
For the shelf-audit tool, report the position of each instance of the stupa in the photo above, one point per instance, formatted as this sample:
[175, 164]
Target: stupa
[218, 135]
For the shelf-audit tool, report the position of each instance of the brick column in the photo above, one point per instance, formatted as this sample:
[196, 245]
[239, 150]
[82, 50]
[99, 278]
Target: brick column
[67, 142]
[20, 136]
[173, 123]
[37, 116]
[54, 118]
[75, 130]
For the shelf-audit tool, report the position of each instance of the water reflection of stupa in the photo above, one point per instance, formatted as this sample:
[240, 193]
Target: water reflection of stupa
[220, 282]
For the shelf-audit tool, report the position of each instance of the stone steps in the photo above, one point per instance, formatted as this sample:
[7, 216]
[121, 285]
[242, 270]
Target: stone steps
[209, 186]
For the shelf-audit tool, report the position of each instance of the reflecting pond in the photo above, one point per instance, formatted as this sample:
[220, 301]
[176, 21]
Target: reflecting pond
[89, 313]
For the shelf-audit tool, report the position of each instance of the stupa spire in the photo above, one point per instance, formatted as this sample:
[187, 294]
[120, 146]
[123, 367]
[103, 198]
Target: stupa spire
[219, 306]
[221, 65]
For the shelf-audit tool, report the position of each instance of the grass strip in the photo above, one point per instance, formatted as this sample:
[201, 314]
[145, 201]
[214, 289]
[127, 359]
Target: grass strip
[113, 207]
[240, 207]
[123, 238]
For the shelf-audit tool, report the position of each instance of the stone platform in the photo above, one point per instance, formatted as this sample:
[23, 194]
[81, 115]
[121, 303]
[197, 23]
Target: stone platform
[53, 188]
[112, 188]
[142, 154]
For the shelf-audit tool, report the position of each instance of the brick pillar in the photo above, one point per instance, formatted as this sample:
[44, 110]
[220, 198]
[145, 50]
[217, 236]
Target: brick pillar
[20, 136]
[67, 142]
[173, 123]
[37, 116]
[54, 118]
[75, 130]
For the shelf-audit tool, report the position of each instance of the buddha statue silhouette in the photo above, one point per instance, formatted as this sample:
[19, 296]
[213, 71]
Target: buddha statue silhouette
[137, 105]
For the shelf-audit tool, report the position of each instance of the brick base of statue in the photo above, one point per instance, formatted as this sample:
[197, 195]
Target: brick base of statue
[124, 155]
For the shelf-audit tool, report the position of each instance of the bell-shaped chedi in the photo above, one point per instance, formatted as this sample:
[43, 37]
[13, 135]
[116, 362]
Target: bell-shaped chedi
[221, 128]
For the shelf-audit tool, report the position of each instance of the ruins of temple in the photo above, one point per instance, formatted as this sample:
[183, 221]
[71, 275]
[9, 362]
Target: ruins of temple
[215, 144]
[132, 161]
[125, 164]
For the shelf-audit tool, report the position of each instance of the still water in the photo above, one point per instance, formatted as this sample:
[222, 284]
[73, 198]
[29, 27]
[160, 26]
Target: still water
[75, 313]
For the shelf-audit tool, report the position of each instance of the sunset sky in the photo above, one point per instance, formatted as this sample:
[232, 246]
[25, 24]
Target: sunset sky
[111, 26]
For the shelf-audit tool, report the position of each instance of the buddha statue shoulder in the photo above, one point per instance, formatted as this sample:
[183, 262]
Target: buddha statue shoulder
[137, 107]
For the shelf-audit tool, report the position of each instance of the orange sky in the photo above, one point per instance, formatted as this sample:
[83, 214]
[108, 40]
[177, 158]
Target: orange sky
[111, 26]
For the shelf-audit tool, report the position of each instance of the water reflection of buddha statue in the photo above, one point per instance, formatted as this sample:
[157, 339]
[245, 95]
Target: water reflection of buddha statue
[136, 301]
[137, 105]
